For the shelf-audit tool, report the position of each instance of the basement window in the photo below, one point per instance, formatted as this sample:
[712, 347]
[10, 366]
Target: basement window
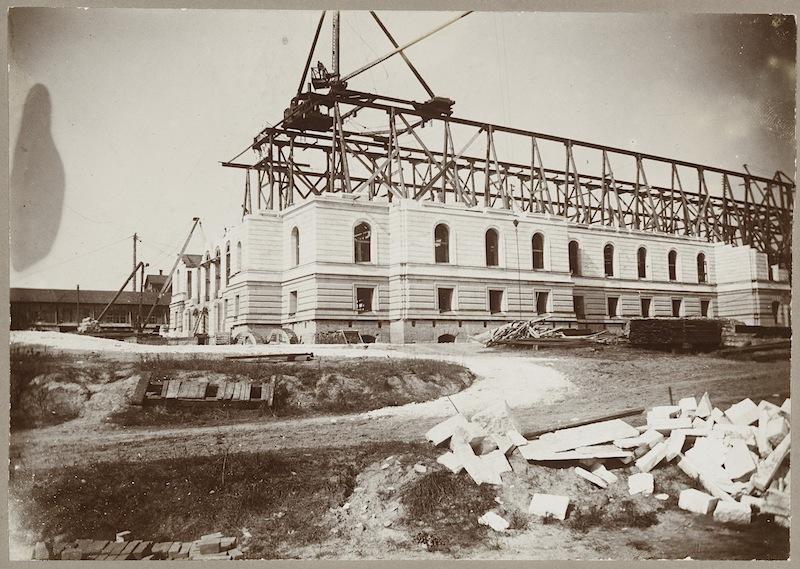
[646, 304]
[495, 301]
[444, 297]
[364, 299]
[677, 307]
[704, 305]
[613, 306]
[292, 303]
[542, 302]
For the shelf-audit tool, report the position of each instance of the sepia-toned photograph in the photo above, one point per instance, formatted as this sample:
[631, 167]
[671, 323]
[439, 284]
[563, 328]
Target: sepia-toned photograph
[397, 284]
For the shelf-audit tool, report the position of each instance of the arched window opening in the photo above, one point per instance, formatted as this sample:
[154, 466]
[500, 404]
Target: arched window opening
[641, 262]
[492, 253]
[238, 256]
[227, 263]
[608, 260]
[295, 244]
[672, 262]
[537, 245]
[701, 268]
[362, 240]
[441, 243]
[574, 258]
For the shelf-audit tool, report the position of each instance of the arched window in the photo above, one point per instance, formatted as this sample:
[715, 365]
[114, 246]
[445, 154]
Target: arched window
[701, 268]
[441, 243]
[574, 258]
[537, 246]
[295, 244]
[608, 260]
[362, 239]
[238, 256]
[492, 254]
[227, 263]
[672, 262]
[207, 272]
[217, 271]
[641, 262]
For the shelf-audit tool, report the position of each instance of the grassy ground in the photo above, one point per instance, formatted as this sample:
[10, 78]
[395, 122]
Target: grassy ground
[320, 387]
[280, 497]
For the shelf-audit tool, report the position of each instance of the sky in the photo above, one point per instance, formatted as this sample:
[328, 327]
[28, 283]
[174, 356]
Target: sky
[128, 113]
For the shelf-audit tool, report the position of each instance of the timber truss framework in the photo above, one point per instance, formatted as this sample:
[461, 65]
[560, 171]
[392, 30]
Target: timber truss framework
[403, 161]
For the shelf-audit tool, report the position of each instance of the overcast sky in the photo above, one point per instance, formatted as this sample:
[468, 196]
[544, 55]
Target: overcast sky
[136, 108]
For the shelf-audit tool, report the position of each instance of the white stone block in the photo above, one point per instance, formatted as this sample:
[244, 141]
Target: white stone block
[640, 483]
[549, 505]
[444, 430]
[493, 521]
[451, 461]
[704, 407]
[665, 411]
[786, 406]
[745, 412]
[696, 501]
[594, 479]
[652, 458]
[496, 418]
[732, 513]
[497, 461]
[651, 437]
[688, 404]
[471, 434]
[503, 443]
[675, 444]
[516, 438]
[738, 460]
[777, 428]
[752, 502]
[698, 423]
[666, 425]
[717, 416]
[602, 472]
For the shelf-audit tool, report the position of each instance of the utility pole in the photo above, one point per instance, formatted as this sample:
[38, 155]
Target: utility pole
[78, 302]
[335, 46]
[135, 239]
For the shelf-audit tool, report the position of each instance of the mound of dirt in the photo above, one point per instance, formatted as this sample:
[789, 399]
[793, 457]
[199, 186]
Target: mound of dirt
[52, 397]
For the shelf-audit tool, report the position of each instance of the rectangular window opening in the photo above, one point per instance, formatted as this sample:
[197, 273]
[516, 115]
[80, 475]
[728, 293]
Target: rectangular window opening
[613, 306]
[578, 307]
[704, 306]
[495, 301]
[677, 305]
[645, 304]
[364, 299]
[445, 299]
[542, 302]
[292, 303]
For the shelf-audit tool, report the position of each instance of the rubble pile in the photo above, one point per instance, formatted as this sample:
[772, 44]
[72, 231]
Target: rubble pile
[536, 331]
[738, 459]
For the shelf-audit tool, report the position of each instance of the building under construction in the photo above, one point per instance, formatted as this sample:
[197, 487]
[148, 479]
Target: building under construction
[425, 231]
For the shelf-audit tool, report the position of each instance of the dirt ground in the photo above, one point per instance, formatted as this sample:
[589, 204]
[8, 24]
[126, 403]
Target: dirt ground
[545, 389]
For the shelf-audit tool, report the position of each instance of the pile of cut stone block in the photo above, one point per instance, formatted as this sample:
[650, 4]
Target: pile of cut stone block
[212, 546]
[738, 457]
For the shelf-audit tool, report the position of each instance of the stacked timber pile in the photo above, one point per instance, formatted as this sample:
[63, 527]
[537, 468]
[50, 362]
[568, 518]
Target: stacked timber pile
[737, 460]
[675, 333]
[213, 546]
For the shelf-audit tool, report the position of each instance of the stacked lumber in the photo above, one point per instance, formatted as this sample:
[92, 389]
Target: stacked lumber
[737, 459]
[675, 332]
[198, 390]
[520, 330]
[213, 546]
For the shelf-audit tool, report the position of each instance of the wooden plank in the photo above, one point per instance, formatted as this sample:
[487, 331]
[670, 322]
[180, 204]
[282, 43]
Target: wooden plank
[540, 451]
[264, 391]
[244, 393]
[221, 390]
[164, 388]
[141, 389]
[229, 389]
[174, 387]
[200, 391]
[237, 390]
[186, 389]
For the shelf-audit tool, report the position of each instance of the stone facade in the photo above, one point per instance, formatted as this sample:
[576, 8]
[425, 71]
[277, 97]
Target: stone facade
[411, 271]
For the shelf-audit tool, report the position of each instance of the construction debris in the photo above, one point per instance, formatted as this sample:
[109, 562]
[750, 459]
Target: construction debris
[493, 521]
[537, 333]
[738, 457]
